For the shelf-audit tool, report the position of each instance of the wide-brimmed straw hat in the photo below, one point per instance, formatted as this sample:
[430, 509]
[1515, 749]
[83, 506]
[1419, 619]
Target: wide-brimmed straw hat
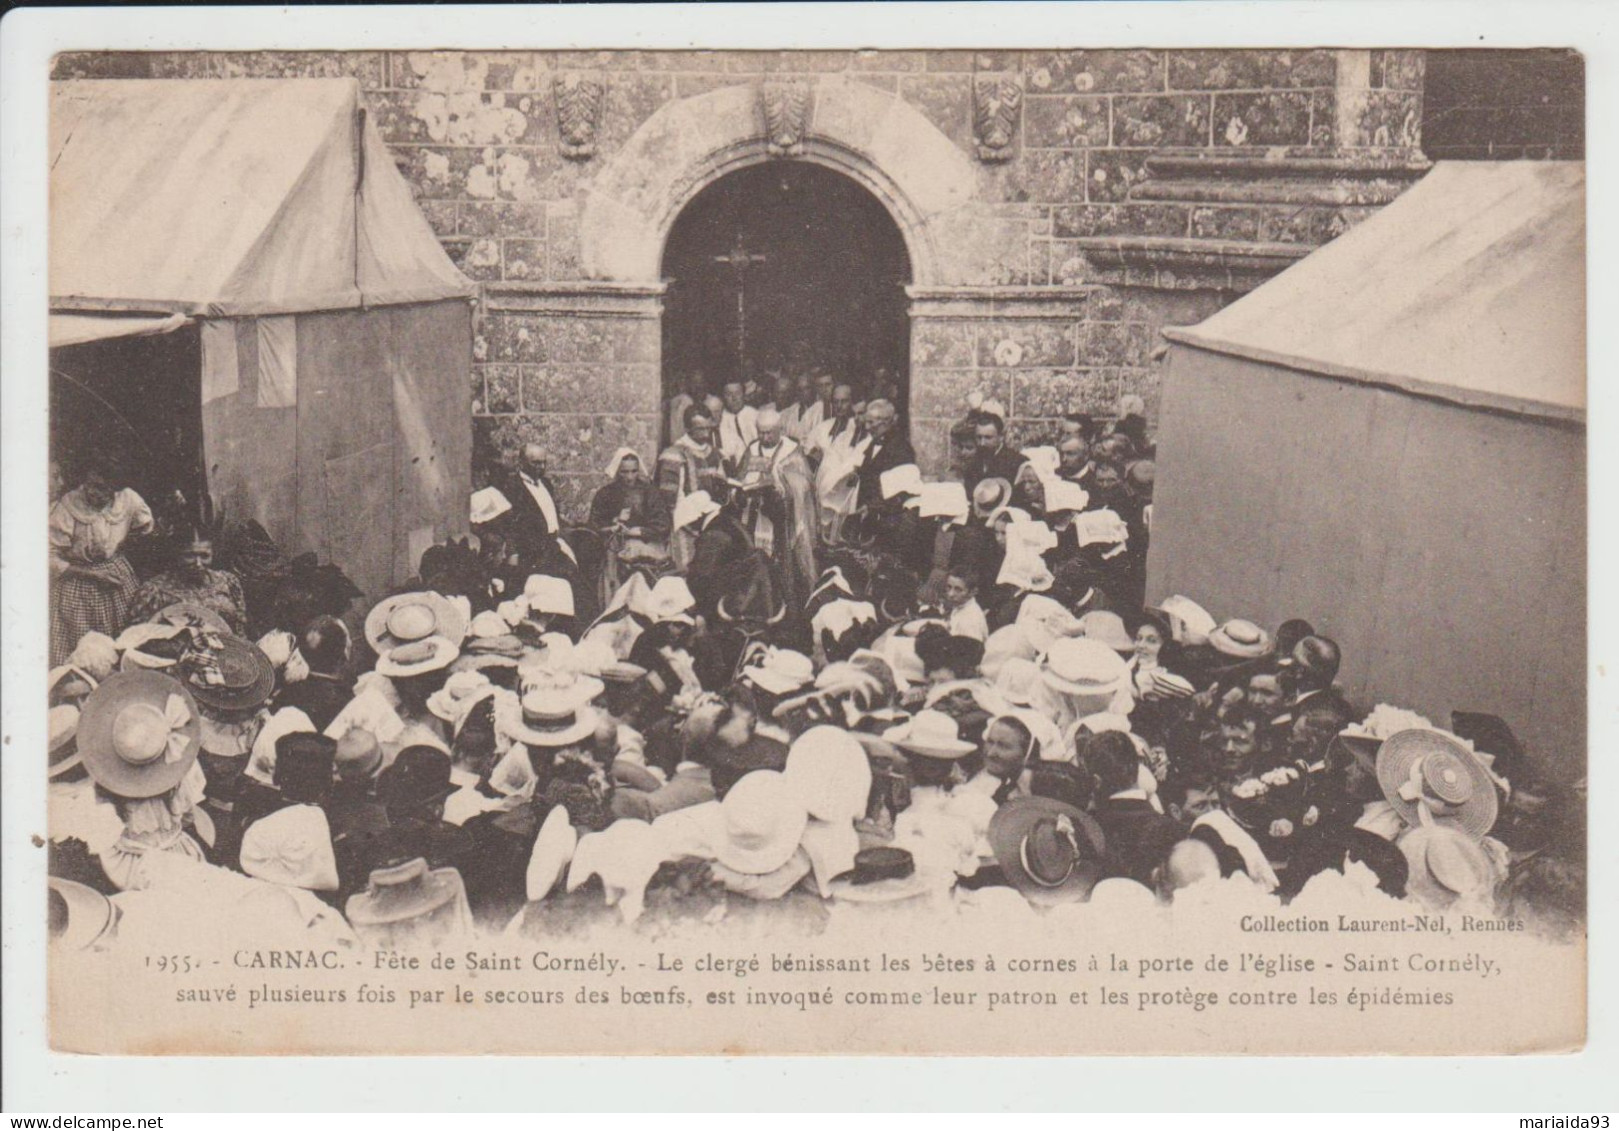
[881, 874]
[546, 717]
[932, 734]
[828, 769]
[1083, 667]
[1431, 778]
[85, 914]
[408, 617]
[1446, 865]
[490, 634]
[763, 819]
[1047, 849]
[419, 657]
[1241, 639]
[1189, 622]
[236, 676]
[138, 733]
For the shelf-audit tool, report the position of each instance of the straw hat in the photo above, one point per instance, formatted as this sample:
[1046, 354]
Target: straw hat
[1242, 639]
[781, 670]
[932, 734]
[1189, 622]
[236, 676]
[883, 874]
[80, 918]
[189, 614]
[1108, 628]
[828, 769]
[138, 733]
[670, 600]
[62, 725]
[489, 633]
[408, 617]
[990, 496]
[1048, 850]
[763, 822]
[1083, 667]
[553, 849]
[1431, 778]
[546, 717]
[1445, 866]
[419, 657]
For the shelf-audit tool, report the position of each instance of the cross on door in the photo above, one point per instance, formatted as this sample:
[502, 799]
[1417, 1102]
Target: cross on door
[739, 260]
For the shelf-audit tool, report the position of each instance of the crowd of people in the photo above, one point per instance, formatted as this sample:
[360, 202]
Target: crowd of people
[774, 665]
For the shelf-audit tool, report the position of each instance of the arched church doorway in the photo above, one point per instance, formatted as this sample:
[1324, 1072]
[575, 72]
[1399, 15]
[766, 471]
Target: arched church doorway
[786, 267]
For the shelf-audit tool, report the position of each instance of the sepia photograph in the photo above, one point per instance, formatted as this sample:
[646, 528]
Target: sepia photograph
[1057, 550]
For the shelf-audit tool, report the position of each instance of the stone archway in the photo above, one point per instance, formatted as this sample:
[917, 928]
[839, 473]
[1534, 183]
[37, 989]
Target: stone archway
[884, 143]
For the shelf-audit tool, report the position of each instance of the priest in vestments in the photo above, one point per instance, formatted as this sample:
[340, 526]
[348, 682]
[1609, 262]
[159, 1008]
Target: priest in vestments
[779, 511]
[691, 463]
[840, 444]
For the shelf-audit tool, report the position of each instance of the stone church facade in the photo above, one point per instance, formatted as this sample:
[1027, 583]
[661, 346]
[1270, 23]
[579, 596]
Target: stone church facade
[1058, 207]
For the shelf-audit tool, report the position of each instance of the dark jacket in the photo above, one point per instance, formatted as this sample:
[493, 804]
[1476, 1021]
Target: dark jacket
[894, 451]
[1138, 837]
[1003, 464]
[320, 697]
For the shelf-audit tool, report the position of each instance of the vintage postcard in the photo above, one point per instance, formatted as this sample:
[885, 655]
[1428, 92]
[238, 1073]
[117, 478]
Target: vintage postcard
[642, 551]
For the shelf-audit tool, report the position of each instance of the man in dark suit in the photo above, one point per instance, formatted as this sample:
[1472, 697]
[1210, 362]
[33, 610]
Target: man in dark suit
[889, 449]
[534, 521]
[1138, 836]
[991, 459]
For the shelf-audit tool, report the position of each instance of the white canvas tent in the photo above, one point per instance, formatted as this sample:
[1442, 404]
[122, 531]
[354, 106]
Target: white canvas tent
[333, 334]
[1388, 439]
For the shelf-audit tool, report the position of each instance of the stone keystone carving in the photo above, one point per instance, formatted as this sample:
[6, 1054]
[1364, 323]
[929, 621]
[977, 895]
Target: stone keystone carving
[579, 103]
[786, 107]
[996, 101]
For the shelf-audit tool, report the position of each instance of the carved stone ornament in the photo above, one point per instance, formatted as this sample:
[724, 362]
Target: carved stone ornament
[786, 107]
[579, 103]
[996, 101]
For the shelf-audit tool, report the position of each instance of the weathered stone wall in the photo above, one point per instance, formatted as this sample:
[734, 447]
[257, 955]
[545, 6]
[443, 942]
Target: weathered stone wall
[1118, 191]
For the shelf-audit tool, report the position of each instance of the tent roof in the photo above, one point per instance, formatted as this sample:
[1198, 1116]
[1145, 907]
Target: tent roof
[77, 329]
[1470, 288]
[254, 196]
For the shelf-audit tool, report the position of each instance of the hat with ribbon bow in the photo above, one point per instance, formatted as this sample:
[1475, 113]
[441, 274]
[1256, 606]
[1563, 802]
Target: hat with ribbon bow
[138, 733]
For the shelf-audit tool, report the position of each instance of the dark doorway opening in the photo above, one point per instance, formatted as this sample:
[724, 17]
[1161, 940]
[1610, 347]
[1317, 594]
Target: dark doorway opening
[138, 400]
[820, 267]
